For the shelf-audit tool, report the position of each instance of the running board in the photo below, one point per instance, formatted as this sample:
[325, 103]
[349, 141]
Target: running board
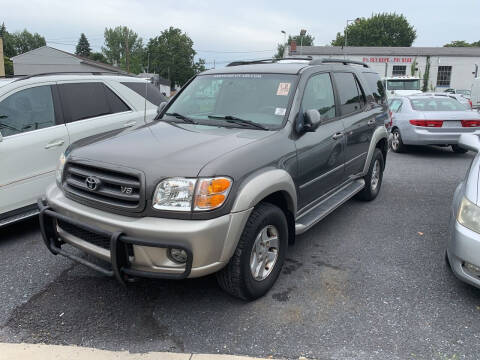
[305, 221]
[18, 217]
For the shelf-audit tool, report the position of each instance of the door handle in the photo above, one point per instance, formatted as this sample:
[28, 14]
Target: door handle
[337, 135]
[130, 123]
[371, 122]
[54, 143]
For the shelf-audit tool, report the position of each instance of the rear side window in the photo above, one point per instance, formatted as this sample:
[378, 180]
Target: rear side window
[88, 100]
[396, 105]
[351, 97]
[27, 110]
[147, 91]
[375, 87]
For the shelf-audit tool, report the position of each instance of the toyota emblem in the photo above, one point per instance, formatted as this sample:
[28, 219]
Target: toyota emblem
[92, 183]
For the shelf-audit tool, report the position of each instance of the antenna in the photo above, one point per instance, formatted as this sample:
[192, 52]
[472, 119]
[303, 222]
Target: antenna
[145, 107]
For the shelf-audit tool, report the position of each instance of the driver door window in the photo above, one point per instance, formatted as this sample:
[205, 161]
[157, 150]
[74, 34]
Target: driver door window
[27, 110]
[319, 95]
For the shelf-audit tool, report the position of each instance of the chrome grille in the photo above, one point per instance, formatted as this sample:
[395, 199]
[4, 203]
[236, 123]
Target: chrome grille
[103, 186]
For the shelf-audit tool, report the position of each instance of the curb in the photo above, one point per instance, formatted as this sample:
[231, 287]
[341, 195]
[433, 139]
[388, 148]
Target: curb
[59, 352]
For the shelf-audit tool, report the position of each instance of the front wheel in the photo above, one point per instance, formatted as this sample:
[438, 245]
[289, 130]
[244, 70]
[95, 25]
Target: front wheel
[459, 150]
[374, 177]
[259, 256]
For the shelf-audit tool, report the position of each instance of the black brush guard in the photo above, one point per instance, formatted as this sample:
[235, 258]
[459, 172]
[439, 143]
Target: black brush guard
[120, 264]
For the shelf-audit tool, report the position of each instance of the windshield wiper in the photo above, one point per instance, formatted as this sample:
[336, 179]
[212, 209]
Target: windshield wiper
[181, 117]
[236, 120]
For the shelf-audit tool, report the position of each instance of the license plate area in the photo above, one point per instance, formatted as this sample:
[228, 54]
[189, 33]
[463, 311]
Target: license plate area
[452, 124]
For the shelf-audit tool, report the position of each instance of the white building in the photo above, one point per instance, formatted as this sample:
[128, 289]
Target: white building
[450, 67]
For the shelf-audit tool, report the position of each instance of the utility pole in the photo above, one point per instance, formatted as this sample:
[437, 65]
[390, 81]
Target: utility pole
[2, 65]
[214, 63]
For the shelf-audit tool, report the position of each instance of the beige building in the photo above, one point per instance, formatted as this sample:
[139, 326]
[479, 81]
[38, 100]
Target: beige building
[450, 67]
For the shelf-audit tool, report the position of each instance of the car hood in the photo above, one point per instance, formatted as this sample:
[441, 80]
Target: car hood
[162, 149]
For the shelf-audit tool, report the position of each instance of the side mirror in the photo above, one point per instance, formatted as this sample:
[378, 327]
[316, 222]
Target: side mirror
[311, 120]
[161, 107]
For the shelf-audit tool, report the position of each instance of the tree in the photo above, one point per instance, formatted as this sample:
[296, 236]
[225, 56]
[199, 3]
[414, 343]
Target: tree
[8, 66]
[124, 48]
[172, 56]
[98, 56]
[306, 40]
[426, 76]
[83, 46]
[382, 29]
[462, 43]
[25, 41]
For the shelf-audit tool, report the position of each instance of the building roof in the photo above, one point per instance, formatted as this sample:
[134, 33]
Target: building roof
[83, 60]
[389, 51]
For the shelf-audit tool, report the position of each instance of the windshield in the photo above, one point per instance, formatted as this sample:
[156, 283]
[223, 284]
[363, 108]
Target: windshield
[259, 98]
[464, 92]
[403, 84]
[436, 104]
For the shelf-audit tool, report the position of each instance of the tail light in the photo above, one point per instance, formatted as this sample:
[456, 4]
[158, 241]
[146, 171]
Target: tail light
[390, 120]
[427, 123]
[470, 123]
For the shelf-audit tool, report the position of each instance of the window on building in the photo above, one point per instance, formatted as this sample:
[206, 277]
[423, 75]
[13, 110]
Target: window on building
[399, 70]
[444, 75]
[27, 110]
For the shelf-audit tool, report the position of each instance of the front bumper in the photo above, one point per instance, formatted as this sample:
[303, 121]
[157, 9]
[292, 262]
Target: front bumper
[414, 135]
[464, 246]
[209, 244]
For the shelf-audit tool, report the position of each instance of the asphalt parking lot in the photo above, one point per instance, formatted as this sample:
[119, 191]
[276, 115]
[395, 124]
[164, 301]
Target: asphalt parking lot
[369, 282]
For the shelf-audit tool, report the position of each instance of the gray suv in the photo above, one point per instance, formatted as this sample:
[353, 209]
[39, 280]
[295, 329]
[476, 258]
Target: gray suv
[241, 161]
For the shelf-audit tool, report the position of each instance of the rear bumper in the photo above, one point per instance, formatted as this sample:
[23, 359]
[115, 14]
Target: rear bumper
[138, 246]
[412, 135]
[464, 246]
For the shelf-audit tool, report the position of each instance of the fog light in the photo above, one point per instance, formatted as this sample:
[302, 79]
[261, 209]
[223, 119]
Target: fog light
[474, 270]
[177, 255]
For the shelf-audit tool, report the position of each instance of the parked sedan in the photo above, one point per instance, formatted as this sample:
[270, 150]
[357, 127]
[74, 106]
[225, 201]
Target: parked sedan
[430, 120]
[463, 247]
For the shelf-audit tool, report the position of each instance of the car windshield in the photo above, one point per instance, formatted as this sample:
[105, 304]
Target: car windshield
[259, 98]
[464, 92]
[436, 104]
[403, 84]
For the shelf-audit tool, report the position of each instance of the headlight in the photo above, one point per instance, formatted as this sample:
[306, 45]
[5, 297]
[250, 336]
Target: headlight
[469, 215]
[174, 194]
[211, 193]
[183, 194]
[60, 166]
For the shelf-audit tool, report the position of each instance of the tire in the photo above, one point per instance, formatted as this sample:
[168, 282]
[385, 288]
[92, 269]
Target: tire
[374, 177]
[237, 278]
[459, 150]
[447, 260]
[397, 143]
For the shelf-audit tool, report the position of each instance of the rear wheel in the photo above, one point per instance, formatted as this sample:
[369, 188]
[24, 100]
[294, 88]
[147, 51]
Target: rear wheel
[397, 144]
[459, 150]
[374, 177]
[260, 253]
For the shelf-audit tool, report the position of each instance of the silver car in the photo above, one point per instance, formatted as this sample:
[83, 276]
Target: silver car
[430, 120]
[463, 248]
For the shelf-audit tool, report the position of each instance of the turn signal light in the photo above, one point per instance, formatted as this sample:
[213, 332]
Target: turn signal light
[427, 123]
[211, 193]
[470, 123]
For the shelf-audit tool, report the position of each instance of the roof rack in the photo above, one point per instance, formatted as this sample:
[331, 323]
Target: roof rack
[71, 73]
[338, 61]
[267, 61]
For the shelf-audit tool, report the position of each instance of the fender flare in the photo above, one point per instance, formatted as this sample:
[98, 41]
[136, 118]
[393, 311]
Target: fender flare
[262, 184]
[379, 134]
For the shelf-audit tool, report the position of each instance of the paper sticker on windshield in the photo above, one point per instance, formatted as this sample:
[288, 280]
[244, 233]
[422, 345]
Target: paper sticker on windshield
[283, 89]
[280, 111]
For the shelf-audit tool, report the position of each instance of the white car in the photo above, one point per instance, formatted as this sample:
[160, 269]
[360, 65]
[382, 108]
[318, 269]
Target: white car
[401, 86]
[41, 115]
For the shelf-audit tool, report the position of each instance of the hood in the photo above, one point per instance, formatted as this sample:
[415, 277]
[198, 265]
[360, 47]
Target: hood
[162, 149]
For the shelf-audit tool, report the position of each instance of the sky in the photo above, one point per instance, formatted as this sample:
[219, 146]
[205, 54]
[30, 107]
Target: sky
[224, 31]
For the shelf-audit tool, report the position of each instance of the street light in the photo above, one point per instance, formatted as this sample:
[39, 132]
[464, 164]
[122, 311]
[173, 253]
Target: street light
[346, 32]
[302, 34]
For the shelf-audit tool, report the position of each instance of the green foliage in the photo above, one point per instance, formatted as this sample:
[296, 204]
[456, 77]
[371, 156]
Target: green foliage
[20, 42]
[83, 46]
[426, 75]
[172, 56]
[8, 66]
[413, 67]
[306, 40]
[122, 41]
[462, 43]
[280, 51]
[98, 56]
[382, 29]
